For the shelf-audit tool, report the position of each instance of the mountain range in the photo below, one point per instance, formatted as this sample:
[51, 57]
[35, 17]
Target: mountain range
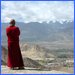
[43, 32]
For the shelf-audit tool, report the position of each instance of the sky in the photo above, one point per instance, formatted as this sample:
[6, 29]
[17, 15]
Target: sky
[37, 11]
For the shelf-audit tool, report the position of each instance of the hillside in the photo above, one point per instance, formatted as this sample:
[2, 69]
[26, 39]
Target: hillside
[27, 61]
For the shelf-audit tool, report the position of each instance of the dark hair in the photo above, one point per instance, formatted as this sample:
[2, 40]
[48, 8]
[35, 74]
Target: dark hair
[12, 22]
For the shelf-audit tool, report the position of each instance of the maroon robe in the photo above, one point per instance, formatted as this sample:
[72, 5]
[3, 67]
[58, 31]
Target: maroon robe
[14, 53]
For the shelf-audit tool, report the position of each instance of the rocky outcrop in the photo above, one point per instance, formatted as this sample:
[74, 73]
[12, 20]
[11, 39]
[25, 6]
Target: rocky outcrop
[36, 52]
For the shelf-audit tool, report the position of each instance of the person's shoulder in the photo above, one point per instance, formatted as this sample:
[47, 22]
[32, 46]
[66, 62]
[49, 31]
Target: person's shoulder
[16, 27]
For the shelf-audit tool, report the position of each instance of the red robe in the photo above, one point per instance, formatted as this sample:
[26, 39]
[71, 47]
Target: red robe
[14, 53]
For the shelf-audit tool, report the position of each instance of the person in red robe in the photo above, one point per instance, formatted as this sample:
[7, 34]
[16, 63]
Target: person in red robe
[14, 54]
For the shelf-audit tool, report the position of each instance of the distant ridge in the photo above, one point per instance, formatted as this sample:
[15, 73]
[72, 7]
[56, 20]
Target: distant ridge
[49, 32]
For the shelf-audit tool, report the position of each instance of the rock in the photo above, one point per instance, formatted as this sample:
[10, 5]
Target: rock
[28, 62]
[4, 56]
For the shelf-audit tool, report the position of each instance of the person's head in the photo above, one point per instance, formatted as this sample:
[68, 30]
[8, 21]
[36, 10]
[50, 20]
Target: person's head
[12, 22]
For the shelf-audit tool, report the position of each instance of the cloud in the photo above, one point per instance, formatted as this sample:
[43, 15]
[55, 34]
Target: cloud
[37, 11]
